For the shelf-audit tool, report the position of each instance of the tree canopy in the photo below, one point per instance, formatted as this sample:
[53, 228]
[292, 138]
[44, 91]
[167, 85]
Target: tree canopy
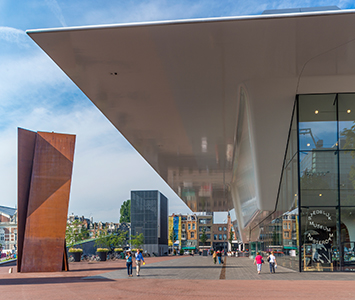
[137, 240]
[111, 241]
[203, 237]
[231, 236]
[125, 212]
[76, 232]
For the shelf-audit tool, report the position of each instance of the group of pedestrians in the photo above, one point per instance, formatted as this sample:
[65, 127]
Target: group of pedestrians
[217, 255]
[271, 259]
[129, 262]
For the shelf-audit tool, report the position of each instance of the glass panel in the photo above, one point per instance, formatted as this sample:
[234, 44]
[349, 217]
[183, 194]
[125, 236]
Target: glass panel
[347, 177]
[292, 143]
[348, 238]
[346, 111]
[317, 122]
[319, 236]
[319, 178]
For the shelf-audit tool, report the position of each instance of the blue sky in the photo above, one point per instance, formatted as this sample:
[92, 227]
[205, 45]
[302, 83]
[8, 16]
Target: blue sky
[35, 94]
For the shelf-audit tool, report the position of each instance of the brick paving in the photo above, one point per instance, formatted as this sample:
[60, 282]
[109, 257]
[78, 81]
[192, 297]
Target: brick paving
[176, 278]
[202, 268]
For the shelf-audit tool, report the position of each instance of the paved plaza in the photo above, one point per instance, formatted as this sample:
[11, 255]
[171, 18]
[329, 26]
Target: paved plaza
[179, 277]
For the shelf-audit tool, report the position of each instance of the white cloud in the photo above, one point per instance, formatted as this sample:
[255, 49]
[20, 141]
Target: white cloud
[57, 11]
[13, 36]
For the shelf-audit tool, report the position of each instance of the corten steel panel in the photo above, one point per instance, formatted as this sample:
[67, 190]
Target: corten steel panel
[44, 236]
[26, 146]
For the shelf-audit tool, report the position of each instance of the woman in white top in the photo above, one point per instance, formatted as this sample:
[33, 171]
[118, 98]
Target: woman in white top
[272, 262]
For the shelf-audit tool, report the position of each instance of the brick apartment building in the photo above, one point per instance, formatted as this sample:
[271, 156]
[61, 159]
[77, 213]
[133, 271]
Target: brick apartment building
[8, 229]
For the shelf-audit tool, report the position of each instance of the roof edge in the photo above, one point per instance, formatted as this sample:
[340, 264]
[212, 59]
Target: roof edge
[187, 21]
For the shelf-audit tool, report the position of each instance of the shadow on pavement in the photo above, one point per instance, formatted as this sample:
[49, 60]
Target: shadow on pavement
[51, 280]
[189, 267]
[98, 269]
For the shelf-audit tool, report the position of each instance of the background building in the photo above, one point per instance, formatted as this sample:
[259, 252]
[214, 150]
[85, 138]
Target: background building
[149, 215]
[8, 229]
[185, 230]
[175, 233]
[204, 224]
[220, 236]
[191, 233]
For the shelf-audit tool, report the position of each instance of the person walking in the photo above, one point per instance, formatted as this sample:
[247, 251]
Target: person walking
[219, 256]
[272, 262]
[258, 261]
[214, 255]
[129, 263]
[139, 259]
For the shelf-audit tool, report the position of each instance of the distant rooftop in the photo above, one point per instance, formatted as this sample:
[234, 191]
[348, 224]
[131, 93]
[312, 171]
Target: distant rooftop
[298, 10]
[7, 210]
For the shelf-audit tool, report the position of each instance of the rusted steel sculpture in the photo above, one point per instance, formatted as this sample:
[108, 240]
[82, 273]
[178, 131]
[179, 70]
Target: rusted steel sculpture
[45, 162]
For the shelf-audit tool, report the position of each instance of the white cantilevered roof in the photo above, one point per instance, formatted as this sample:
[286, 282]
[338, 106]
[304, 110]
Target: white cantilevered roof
[172, 89]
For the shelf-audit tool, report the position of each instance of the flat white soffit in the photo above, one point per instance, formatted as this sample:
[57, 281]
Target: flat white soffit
[177, 83]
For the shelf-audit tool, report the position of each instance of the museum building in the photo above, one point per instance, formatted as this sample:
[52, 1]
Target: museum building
[254, 113]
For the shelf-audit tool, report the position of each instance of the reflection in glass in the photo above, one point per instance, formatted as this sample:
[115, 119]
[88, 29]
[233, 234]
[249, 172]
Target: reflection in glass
[319, 178]
[317, 122]
[346, 108]
[348, 238]
[319, 236]
[322, 237]
[347, 177]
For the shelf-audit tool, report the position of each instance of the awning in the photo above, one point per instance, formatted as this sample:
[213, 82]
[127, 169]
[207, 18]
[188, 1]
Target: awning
[290, 247]
[188, 248]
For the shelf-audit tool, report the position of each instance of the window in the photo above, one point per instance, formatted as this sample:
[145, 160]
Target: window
[219, 228]
[220, 237]
[204, 221]
[225, 228]
[285, 226]
[215, 237]
[189, 226]
[183, 226]
[2, 235]
[192, 235]
[224, 236]
[193, 226]
[289, 225]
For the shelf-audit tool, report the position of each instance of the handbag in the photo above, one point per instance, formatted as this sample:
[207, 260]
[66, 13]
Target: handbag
[262, 261]
[268, 259]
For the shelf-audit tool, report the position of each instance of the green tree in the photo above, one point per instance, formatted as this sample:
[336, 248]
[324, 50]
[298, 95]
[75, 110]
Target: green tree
[173, 236]
[231, 236]
[137, 240]
[125, 212]
[111, 241]
[76, 232]
[203, 237]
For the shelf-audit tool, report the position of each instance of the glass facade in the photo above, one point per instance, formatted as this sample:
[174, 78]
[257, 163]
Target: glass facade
[313, 225]
[149, 215]
[326, 127]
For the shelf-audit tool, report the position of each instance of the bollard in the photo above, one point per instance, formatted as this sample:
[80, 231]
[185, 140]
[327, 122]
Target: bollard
[10, 270]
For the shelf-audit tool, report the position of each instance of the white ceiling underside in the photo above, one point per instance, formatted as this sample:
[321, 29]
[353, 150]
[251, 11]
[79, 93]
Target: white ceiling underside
[173, 90]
